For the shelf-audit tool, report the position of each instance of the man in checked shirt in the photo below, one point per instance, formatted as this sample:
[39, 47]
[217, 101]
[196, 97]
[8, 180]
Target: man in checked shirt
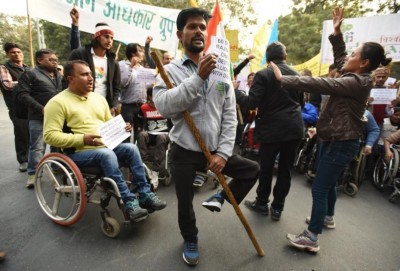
[10, 72]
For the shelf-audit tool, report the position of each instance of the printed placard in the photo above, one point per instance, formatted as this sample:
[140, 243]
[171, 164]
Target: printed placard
[113, 132]
[383, 95]
[146, 76]
[390, 81]
[221, 73]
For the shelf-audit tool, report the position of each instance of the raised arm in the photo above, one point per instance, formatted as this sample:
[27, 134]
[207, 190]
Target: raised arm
[336, 39]
[74, 33]
[149, 60]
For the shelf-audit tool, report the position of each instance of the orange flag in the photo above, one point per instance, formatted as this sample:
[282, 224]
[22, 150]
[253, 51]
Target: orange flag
[215, 26]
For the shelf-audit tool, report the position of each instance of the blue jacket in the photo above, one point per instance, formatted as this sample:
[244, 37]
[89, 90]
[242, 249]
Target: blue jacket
[309, 114]
[371, 129]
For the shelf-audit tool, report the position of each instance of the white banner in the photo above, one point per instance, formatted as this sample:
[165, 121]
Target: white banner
[382, 29]
[130, 21]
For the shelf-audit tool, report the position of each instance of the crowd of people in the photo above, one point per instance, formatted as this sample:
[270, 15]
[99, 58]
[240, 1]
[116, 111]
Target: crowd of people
[64, 107]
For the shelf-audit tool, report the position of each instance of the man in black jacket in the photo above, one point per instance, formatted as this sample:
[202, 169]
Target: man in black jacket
[279, 129]
[35, 88]
[9, 75]
[102, 63]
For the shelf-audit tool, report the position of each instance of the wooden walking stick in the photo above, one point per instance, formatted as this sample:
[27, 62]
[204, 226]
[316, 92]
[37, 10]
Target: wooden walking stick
[207, 154]
[239, 112]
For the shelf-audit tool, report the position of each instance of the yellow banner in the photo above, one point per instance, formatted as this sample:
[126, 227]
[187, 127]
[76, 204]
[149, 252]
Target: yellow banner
[233, 37]
[193, 4]
[314, 65]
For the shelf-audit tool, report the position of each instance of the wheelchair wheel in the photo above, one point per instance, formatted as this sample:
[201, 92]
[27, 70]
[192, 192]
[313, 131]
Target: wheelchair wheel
[60, 189]
[350, 189]
[110, 227]
[360, 175]
[395, 167]
[381, 172]
[384, 173]
[167, 180]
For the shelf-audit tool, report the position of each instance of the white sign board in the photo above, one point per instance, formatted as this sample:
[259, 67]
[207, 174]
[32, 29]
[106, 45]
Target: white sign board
[130, 21]
[221, 73]
[113, 132]
[146, 76]
[390, 81]
[381, 29]
[383, 95]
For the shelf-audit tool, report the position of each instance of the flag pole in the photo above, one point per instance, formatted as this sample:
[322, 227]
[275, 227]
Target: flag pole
[30, 35]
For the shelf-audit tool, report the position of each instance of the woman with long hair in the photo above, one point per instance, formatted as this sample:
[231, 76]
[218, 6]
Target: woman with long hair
[340, 125]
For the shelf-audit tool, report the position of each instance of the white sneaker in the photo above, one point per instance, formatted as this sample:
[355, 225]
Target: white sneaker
[328, 223]
[31, 181]
[199, 180]
[154, 179]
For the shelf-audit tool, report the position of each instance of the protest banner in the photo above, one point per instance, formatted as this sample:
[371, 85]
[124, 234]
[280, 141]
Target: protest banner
[130, 21]
[380, 29]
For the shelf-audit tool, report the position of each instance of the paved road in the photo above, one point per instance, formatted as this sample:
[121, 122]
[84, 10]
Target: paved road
[367, 236]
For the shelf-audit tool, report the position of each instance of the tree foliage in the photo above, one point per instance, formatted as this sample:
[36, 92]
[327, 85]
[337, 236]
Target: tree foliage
[14, 29]
[301, 30]
[391, 6]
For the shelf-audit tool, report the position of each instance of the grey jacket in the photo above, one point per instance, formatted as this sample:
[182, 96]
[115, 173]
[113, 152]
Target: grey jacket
[213, 112]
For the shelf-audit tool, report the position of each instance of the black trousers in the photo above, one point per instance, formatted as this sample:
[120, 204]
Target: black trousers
[21, 129]
[130, 113]
[185, 163]
[268, 152]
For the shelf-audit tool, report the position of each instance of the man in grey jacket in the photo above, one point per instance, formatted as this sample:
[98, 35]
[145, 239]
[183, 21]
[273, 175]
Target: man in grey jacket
[212, 106]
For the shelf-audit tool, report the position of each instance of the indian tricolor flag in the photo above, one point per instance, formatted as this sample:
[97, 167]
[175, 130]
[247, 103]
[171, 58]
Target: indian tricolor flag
[215, 26]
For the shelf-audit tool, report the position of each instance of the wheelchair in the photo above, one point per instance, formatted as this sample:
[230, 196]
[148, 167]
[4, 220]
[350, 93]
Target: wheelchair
[63, 190]
[353, 174]
[248, 147]
[150, 163]
[351, 178]
[386, 174]
[306, 149]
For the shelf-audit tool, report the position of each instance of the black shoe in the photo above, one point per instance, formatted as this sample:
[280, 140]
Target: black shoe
[23, 166]
[276, 213]
[152, 202]
[256, 206]
[135, 212]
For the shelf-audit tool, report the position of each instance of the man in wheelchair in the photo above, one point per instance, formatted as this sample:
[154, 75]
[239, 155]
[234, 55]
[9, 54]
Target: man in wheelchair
[80, 111]
[153, 140]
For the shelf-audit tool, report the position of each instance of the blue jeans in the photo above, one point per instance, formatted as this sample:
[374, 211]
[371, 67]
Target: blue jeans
[108, 159]
[334, 157]
[37, 146]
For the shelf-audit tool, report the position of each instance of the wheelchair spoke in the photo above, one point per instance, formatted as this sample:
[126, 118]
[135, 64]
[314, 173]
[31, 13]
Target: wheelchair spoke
[53, 177]
[56, 203]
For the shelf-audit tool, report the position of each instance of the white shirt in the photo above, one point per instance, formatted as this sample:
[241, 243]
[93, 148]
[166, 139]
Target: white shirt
[100, 67]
